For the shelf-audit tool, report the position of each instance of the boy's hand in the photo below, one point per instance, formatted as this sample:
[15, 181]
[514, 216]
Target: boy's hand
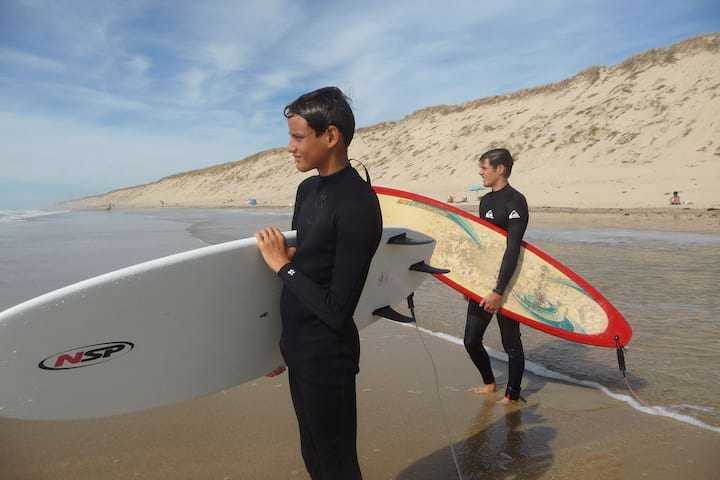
[491, 302]
[273, 248]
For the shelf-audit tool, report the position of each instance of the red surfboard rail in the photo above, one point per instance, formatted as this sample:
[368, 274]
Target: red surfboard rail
[618, 331]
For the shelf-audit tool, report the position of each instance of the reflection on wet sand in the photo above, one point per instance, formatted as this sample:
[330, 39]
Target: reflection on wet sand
[502, 442]
[517, 442]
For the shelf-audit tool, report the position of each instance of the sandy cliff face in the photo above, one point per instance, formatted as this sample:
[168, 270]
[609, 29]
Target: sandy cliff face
[621, 136]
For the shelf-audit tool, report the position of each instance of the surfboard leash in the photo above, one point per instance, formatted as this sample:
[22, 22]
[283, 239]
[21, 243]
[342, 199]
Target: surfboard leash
[621, 365]
[411, 306]
[367, 175]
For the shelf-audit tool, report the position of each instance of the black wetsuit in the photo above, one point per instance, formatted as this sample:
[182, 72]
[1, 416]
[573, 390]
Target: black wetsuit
[339, 226]
[506, 208]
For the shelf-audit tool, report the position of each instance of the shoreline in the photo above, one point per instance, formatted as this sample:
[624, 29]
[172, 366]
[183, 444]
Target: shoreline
[467, 206]
[671, 219]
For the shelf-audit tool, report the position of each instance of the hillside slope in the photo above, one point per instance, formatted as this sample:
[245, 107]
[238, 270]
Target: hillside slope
[620, 136]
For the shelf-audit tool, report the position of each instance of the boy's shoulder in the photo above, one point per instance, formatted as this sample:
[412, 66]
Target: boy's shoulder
[307, 183]
[515, 194]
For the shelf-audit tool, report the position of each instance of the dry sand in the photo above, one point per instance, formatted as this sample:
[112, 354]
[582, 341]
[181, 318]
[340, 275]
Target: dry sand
[249, 432]
[610, 137]
[671, 219]
[668, 219]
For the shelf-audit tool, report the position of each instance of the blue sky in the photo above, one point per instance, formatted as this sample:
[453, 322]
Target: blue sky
[98, 95]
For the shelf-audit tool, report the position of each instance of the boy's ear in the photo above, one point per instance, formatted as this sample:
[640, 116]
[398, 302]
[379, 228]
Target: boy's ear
[334, 136]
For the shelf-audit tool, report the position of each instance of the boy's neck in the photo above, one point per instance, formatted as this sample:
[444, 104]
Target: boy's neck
[335, 163]
[499, 185]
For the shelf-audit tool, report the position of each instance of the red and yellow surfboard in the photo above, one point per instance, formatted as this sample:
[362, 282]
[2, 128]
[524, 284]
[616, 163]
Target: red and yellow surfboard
[543, 293]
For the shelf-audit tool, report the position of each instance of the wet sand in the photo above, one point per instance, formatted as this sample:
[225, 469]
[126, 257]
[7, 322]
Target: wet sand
[249, 432]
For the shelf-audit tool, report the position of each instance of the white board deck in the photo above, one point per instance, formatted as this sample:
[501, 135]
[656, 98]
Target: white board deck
[167, 330]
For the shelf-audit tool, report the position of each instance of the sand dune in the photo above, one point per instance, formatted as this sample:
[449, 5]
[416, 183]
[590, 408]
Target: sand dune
[608, 137]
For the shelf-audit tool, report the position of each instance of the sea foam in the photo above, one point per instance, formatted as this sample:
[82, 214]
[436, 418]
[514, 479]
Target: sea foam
[25, 215]
[537, 369]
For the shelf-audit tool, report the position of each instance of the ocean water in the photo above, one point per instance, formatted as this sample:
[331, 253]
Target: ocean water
[44, 251]
[664, 283]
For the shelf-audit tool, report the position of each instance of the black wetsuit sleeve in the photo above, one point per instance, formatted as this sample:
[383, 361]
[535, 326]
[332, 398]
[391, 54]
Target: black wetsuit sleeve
[358, 235]
[517, 224]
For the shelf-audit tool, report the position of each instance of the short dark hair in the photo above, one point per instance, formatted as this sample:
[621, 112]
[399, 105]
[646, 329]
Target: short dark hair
[497, 157]
[675, 193]
[324, 107]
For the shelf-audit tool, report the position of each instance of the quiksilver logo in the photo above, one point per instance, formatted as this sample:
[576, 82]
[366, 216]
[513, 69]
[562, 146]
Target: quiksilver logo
[514, 214]
[489, 214]
[86, 356]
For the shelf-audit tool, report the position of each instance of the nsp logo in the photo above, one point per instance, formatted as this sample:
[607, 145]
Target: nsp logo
[86, 356]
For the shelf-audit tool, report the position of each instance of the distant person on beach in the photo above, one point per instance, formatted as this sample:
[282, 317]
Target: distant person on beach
[675, 199]
[507, 208]
[338, 223]
[451, 199]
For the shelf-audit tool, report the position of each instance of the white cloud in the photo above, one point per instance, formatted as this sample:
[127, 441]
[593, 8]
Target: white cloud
[138, 65]
[193, 81]
[53, 150]
[227, 57]
[26, 60]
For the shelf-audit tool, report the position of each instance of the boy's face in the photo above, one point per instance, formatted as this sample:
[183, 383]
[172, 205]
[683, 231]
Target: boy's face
[308, 149]
[491, 175]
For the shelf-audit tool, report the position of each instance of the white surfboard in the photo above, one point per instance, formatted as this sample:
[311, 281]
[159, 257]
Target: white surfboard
[167, 330]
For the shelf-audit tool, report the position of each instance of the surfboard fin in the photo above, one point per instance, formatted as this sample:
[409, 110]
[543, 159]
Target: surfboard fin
[390, 314]
[403, 239]
[424, 267]
[620, 355]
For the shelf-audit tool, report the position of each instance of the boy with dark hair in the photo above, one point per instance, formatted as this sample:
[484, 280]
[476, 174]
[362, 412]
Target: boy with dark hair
[507, 208]
[338, 223]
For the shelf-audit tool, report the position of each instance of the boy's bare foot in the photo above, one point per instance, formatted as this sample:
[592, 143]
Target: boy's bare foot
[484, 389]
[507, 401]
[276, 372]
